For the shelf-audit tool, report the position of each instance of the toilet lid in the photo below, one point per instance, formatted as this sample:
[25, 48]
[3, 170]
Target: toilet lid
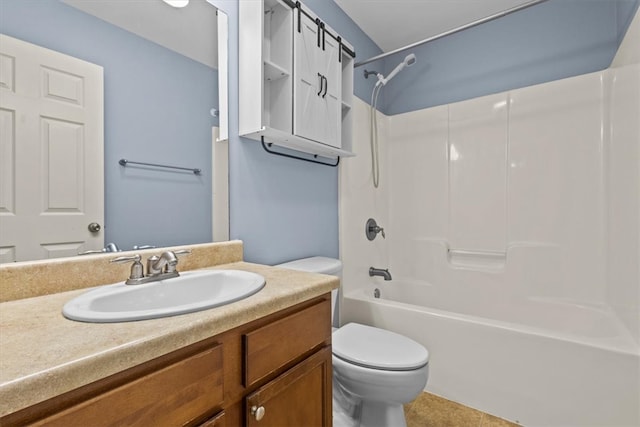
[378, 348]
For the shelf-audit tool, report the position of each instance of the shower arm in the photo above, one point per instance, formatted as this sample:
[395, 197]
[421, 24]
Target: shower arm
[368, 73]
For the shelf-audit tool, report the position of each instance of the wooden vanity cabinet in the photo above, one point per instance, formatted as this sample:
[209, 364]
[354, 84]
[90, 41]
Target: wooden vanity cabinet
[280, 363]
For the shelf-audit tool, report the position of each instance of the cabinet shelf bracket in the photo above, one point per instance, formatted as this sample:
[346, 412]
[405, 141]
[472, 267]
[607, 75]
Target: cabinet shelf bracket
[268, 145]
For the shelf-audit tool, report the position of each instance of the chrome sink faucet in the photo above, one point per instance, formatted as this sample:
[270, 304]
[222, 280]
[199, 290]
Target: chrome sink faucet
[380, 272]
[165, 263]
[158, 267]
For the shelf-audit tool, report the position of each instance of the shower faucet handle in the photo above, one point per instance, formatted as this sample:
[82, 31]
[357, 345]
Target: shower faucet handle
[372, 229]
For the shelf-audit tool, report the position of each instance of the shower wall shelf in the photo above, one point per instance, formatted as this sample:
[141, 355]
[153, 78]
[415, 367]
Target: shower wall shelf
[477, 259]
[295, 79]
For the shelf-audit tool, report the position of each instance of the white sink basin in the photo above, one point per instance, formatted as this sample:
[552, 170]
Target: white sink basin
[192, 291]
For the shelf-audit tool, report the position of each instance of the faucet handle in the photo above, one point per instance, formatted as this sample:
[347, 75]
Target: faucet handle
[372, 229]
[123, 259]
[141, 247]
[137, 270]
[93, 251]
[182, 252]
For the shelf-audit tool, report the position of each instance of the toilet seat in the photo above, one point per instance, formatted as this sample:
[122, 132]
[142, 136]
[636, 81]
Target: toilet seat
[378, 348]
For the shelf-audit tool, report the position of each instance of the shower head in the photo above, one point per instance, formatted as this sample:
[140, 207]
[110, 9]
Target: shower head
[408, 61]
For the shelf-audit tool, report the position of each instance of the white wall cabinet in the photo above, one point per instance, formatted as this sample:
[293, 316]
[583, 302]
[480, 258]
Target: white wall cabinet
[295, 79]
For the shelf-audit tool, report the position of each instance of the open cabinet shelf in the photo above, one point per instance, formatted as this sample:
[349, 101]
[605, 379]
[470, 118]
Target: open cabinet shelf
[273, 72]
[293, 142]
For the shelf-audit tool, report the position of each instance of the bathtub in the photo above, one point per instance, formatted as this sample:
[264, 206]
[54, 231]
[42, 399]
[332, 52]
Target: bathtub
[574, 366]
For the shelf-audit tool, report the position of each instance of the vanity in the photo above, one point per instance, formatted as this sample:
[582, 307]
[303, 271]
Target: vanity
[263, 360]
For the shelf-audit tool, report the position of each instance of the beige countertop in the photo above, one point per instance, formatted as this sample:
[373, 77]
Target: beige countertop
[43, 354]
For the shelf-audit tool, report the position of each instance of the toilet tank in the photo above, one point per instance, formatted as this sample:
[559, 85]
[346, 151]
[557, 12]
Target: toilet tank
[322, 265]
[315, 264]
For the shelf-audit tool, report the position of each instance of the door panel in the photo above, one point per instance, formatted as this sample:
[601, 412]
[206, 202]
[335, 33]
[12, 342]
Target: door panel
[299, 397]
[307, 81]
[51, 142]
[330, 105]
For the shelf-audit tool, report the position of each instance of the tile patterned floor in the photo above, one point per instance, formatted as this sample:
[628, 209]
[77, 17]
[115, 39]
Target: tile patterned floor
[429, 410]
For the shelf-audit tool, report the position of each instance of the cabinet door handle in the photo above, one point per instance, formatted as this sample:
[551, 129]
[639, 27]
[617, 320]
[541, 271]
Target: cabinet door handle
[321, 83]
[258, 412]
[326, 86]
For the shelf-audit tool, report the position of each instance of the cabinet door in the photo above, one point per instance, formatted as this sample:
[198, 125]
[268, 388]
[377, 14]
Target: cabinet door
[307, 80]
[318, 84]
[329, 107]
[299, 397]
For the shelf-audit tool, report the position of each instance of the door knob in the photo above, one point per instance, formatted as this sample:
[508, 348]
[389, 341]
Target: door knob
[94, 227]
[258, 412]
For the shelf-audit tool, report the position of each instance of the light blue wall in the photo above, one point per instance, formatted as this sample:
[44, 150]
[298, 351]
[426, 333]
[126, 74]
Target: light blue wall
[550, 41]
[157, 105]
[283, 208]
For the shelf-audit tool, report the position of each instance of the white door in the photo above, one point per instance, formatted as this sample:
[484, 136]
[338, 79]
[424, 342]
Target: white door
[307, 80]
[330, 106]
[51, 153]
[318, 85]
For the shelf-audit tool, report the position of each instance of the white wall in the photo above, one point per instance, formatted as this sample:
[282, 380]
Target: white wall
[359, 201]
[515, 178]
[541, 183]
[623, 182]
[629, 50]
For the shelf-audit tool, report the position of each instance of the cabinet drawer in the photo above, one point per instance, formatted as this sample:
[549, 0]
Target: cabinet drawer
[272, 346]
[172, 396]
[217, 421]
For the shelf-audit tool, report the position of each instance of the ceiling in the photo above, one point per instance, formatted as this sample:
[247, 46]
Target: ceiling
[392, 24]
[191, 30]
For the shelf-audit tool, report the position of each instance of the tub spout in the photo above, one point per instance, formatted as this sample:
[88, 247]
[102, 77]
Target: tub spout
[380, 272]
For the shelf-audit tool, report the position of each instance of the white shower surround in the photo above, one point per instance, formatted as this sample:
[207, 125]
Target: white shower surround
[538, 321]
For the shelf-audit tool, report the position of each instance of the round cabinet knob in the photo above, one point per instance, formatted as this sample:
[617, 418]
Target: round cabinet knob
[258, 412]
[94, 227]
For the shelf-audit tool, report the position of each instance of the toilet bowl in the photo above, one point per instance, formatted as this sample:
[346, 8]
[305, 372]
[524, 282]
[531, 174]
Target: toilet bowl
[375, 371]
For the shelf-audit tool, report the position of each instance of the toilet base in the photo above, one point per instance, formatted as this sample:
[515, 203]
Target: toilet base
[375, 414]
[349, 411]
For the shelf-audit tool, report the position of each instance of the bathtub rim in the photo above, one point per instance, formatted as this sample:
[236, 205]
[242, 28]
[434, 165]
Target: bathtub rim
[630, 348]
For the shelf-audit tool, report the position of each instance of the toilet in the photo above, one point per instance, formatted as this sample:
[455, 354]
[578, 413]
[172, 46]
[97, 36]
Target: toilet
[375, 371]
